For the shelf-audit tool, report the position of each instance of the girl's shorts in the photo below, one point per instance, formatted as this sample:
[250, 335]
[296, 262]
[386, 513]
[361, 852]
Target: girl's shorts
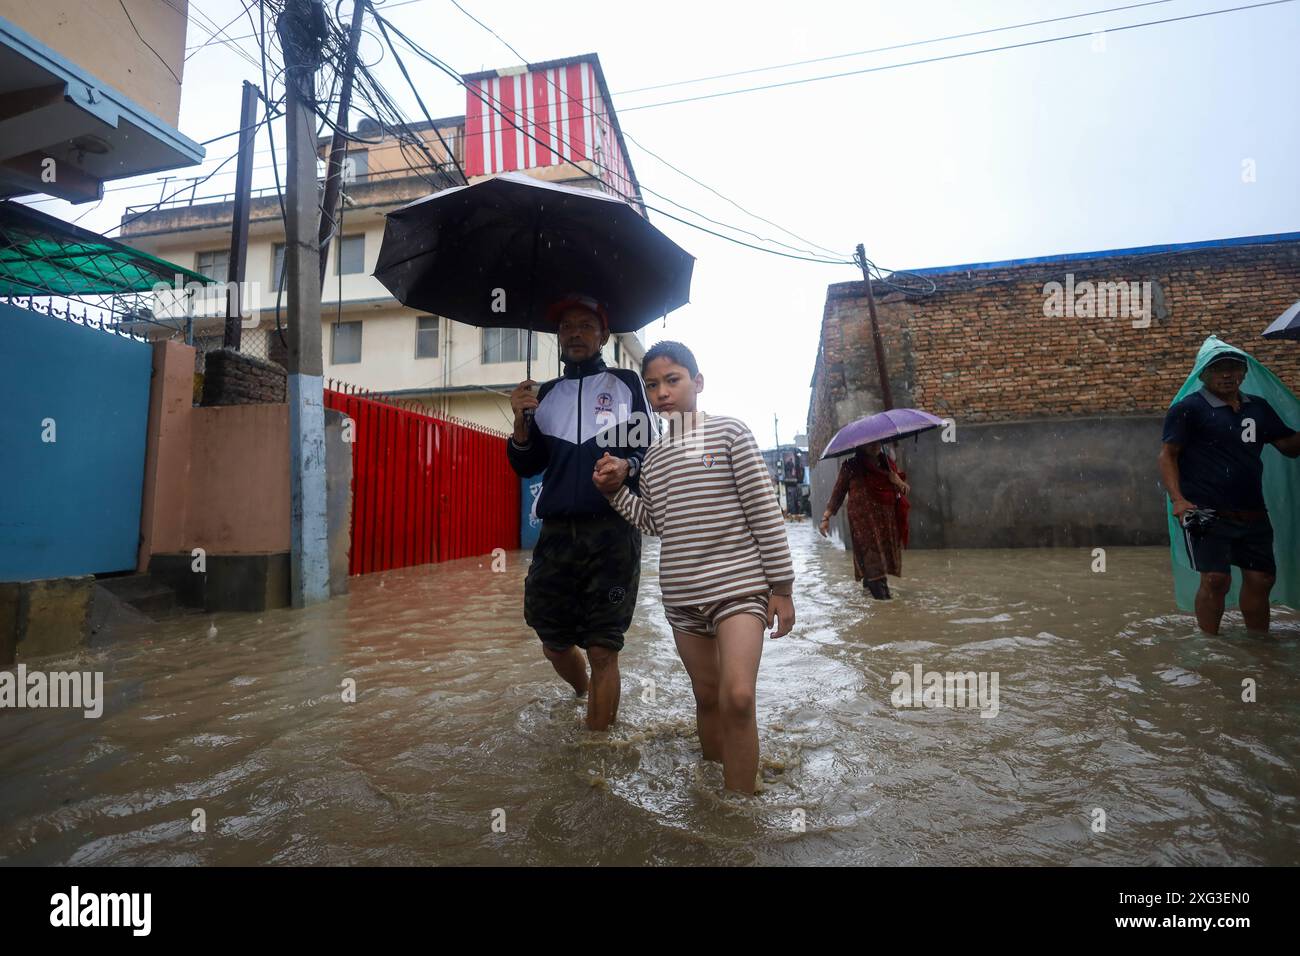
[703, 618]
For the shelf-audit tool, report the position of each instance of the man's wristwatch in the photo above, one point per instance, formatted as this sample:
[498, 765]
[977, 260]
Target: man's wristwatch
[633, 467]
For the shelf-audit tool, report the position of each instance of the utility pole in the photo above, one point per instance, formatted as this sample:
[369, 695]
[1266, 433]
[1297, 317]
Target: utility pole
[237, 267]
[301, 27]
[339, 144]
[886, 396]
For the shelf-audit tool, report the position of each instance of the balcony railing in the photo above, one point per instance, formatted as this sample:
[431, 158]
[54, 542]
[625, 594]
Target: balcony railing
[185, 199]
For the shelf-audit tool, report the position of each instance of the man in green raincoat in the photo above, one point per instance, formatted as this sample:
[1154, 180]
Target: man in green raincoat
[1232, 494]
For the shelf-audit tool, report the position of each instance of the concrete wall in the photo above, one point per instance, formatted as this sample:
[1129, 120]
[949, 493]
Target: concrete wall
[41, 618]
[1046, 483]
[219, 480]
[165, 506]
[98, 36]
[239, 479]
[1088, 482]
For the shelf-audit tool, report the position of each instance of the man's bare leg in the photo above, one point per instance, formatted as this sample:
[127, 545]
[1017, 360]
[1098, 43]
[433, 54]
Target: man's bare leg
[740, 646]
[700, 656]
[1209, 600]
[602, 699]
[569, 664]
[1255, 588]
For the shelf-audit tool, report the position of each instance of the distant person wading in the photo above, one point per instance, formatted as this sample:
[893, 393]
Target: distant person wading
[877, 508]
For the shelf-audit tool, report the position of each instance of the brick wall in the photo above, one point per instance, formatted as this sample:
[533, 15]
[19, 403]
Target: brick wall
[981, 349]
[232, 378]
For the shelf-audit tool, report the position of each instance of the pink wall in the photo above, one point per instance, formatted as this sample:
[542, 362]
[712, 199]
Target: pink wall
[239, 479]
[215, 478]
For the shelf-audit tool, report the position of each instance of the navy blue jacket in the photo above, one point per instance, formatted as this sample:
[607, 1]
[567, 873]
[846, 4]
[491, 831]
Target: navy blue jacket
[589, 399]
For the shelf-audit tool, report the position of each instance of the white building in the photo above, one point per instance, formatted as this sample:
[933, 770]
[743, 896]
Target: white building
[368, 339]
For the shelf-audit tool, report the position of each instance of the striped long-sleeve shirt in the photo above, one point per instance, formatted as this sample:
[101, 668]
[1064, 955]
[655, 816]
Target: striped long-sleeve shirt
[709, 496]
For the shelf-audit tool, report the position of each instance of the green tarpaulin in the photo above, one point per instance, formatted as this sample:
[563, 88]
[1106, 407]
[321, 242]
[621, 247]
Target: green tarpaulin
[44, 256]
[1281, 485]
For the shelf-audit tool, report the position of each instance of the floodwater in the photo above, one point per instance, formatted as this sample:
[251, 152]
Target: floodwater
[462, 747]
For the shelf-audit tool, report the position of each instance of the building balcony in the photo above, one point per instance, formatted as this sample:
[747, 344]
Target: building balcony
[191, 212]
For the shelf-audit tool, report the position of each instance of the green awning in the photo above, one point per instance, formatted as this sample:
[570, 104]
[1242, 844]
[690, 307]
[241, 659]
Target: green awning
[41, 255]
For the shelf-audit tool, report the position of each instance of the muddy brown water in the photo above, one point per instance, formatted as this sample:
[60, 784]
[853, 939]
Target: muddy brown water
[1108, 699]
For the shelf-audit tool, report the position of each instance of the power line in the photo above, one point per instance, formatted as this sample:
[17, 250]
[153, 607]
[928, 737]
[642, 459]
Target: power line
[497, 106]
[955, 56]
[131, 20]
[126, 222]
[220, 32]
[402, 66]
[207, 24]
[885, 49]
[253, 36]
[681, 172]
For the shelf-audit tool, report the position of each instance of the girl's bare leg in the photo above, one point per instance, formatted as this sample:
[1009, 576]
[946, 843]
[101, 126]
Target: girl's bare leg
[740, 646]
[700, 655]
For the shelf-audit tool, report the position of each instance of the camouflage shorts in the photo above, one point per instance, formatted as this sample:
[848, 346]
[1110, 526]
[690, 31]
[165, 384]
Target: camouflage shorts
[582, 583]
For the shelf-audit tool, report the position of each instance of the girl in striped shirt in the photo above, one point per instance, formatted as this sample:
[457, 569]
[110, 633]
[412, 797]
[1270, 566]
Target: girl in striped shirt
[724, 564]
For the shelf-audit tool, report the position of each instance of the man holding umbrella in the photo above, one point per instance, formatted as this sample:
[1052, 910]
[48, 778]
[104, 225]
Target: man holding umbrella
[581, 587]
[493, 254]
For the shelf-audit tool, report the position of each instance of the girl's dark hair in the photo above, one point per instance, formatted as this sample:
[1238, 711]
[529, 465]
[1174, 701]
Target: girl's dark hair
[673, 351]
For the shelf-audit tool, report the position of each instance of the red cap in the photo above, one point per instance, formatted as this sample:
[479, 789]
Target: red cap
[572, 300]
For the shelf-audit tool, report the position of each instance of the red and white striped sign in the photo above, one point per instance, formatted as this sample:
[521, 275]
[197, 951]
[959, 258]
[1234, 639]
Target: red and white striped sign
[529, 119]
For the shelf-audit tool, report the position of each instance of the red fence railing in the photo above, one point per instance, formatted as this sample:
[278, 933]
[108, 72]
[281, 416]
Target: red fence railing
[424, 489]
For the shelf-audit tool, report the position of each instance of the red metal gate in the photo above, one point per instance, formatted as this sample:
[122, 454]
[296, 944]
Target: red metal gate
[424, 489]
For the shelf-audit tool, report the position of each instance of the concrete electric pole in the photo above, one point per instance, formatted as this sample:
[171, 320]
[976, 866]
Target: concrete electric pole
[302, 28]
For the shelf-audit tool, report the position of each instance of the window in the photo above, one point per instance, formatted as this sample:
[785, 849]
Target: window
[506, 345]
[426, 336]
[350, 255]
[618, 354]
[355, 164]
[214, 263]
[345, 346]
[277, 265]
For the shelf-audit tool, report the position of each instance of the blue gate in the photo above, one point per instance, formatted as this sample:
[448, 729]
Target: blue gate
[74, 407]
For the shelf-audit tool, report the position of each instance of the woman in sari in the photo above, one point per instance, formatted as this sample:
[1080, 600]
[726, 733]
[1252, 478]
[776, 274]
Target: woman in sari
[877, 498]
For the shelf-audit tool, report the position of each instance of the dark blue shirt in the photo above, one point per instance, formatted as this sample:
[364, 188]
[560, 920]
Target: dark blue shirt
[1217, 467]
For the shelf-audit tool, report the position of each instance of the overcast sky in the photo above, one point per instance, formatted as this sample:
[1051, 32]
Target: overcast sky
[1133, 139]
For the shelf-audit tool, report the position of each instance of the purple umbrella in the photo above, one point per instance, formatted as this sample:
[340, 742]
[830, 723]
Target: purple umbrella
[883, 426]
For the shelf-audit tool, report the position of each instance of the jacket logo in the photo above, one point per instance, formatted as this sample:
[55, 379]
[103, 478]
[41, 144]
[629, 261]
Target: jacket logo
[709, 459]
[604, 402]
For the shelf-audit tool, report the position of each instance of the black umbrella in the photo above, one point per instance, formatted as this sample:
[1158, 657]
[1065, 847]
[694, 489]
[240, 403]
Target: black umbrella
[497, 253]
[1286, 325]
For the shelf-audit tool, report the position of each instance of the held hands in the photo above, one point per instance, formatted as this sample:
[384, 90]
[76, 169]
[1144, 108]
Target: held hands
[610, 474]
[824, 529]
[902, 486]
[1182, 506]
[780, 606]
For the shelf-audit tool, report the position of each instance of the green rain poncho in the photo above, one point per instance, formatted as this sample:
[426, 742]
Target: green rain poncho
[1281, 486]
